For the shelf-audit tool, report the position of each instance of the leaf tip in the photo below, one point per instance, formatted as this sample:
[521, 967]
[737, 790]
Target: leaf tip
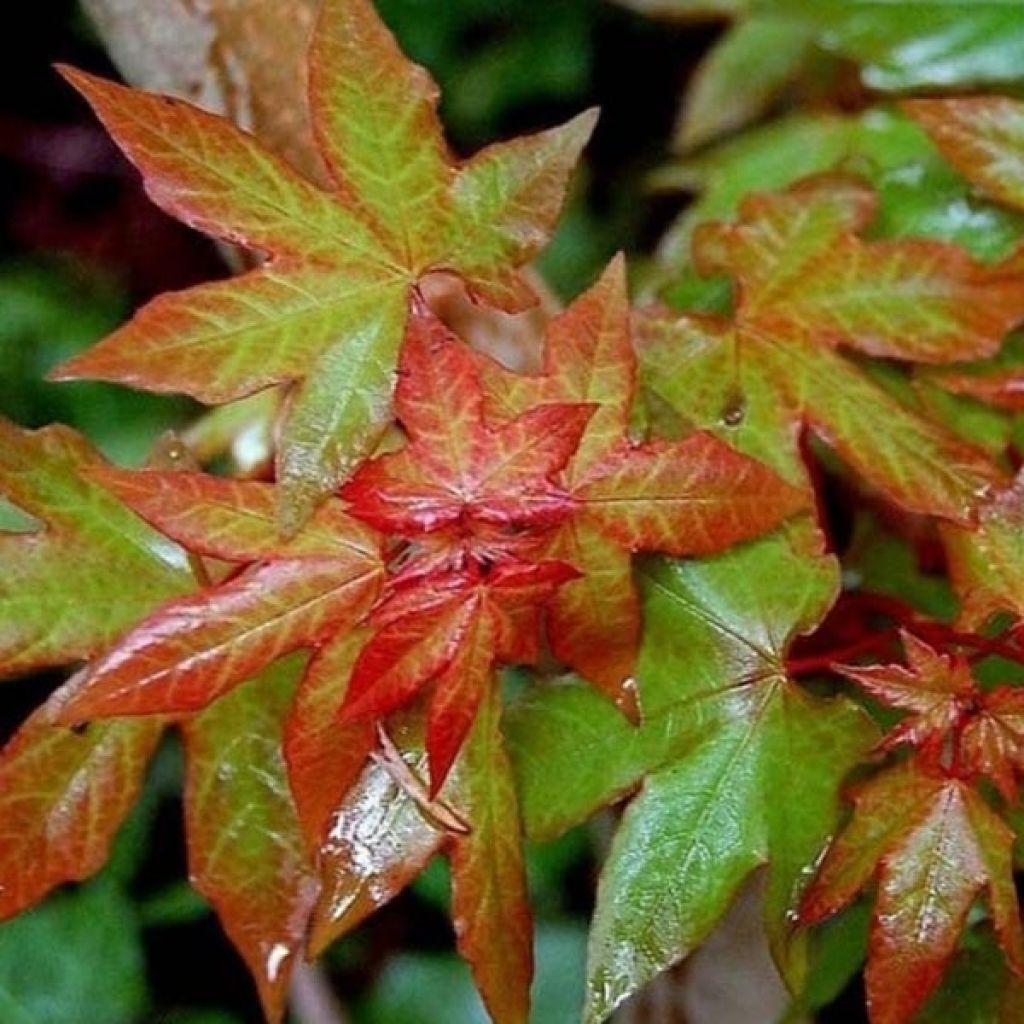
[580, 128]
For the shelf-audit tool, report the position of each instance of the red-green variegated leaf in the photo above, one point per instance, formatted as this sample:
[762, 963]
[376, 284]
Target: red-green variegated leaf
[325, 756]
[246, 195]
[808, 284]
[982, 137]
[490, 905]
[934, 845]
[758, 391]
[378, 129]
[193, 650]
[803, 269]
[987, 564]
[63, 795]
[247, 854]
[233, 520]
[934, 688]
[377, 842]
[91, 567]
[691, 497]
[328, 307]
[511, 194]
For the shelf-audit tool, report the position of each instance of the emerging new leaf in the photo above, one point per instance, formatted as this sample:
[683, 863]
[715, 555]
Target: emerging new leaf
[957, 727]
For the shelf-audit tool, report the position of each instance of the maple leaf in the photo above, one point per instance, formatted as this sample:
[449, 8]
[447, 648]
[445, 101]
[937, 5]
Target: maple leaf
[986, 564]
[447, 632]
[934, 846]
[692, 497]
[196, 648]
[67, 588]
[724, 732]
[70, 586]
[982, 137]
[444, 626]
[807, 286]
[936, 689]
[247, 854]
[328, 308]
[63, 796]
[457, 471]
[951, 719]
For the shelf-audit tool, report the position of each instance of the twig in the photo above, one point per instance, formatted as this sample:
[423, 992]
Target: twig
[312, 999]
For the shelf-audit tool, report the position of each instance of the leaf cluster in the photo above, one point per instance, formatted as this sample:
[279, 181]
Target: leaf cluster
[633, 509]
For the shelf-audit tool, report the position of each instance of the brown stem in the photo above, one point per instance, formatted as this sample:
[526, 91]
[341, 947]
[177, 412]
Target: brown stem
[829, 659]
[312, 999]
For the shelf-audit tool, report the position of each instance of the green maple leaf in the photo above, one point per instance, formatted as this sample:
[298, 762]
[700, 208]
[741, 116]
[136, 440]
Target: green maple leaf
[725, 734]
[917, 43]
[327, 310]
[812, 295]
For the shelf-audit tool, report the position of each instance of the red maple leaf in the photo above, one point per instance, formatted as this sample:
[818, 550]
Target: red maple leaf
[447, 631]
[957, 726]
[458, 472]
[696, 496]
